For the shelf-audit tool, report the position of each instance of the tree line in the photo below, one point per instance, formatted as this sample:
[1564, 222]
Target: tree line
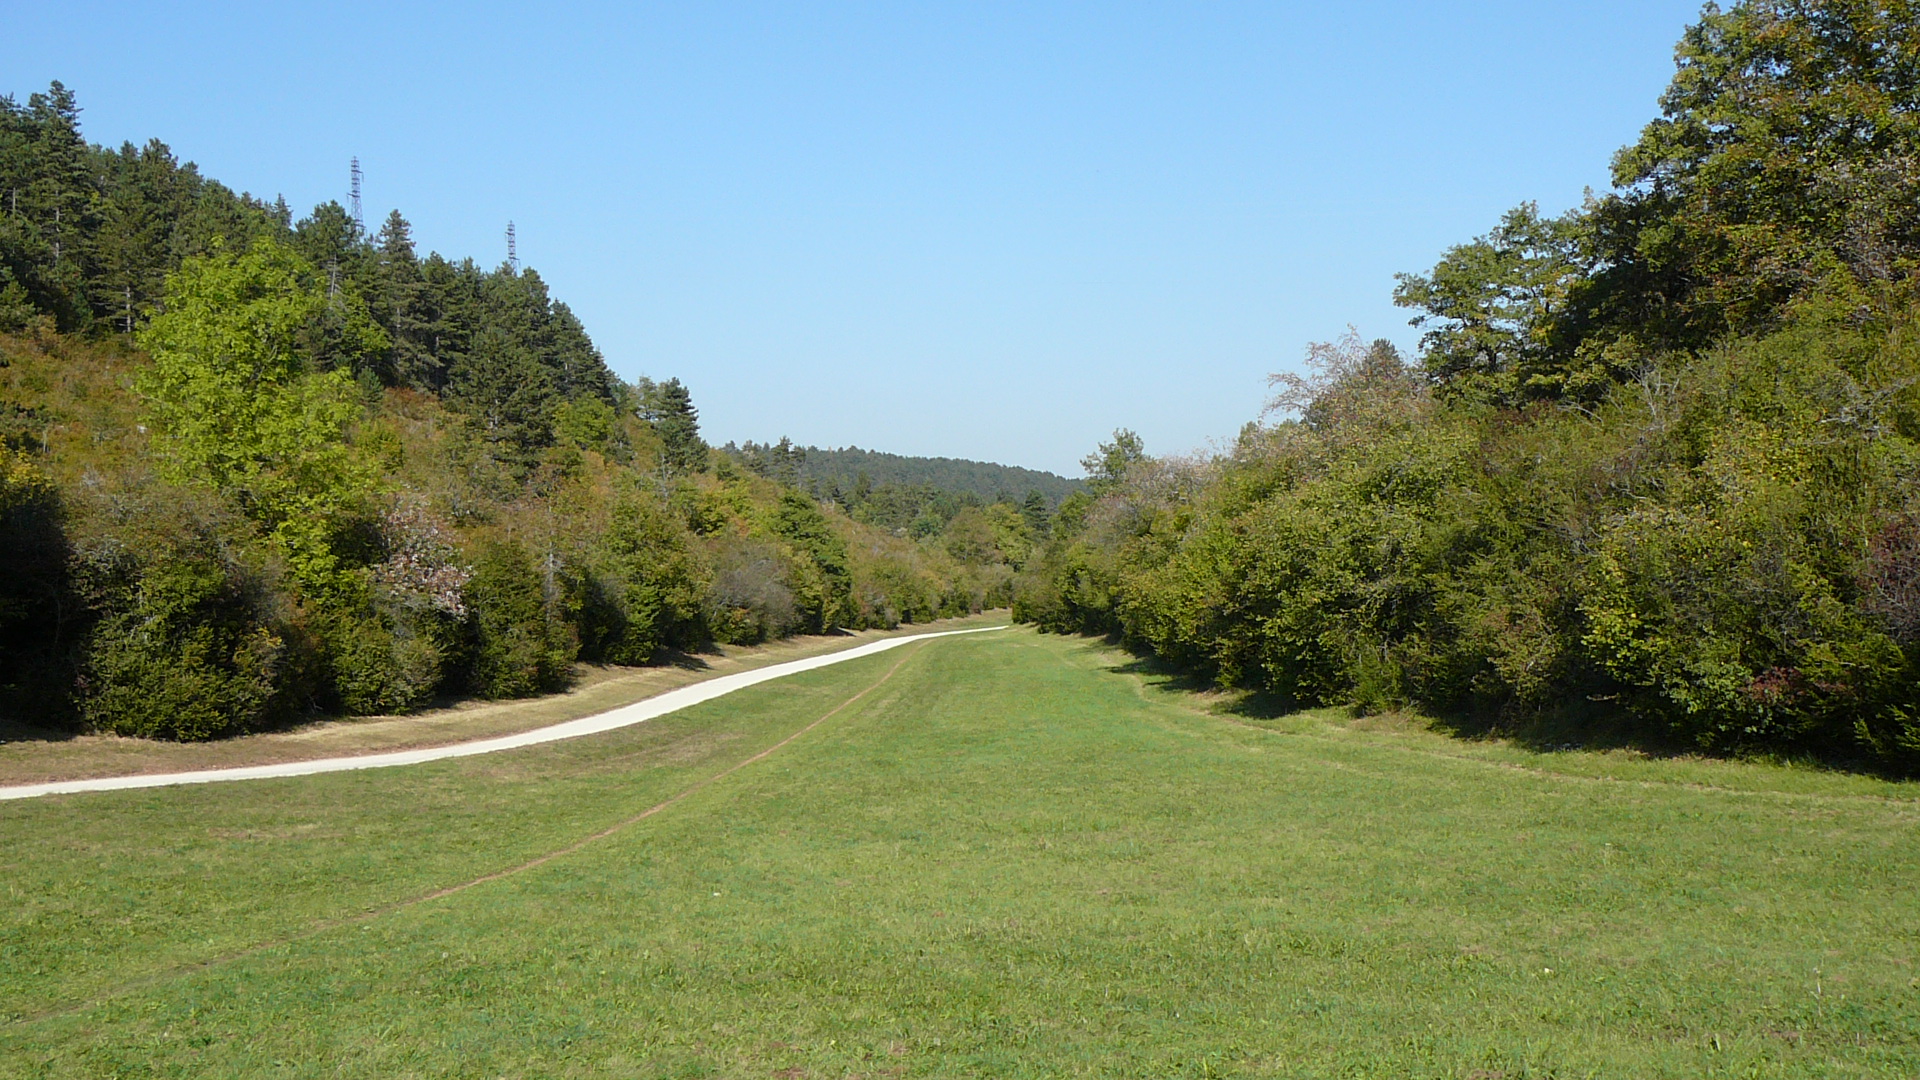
[255, 469]
[827, 470]
[1654, 474]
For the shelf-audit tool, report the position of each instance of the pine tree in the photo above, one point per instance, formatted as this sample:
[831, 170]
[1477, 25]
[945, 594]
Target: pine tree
[47, 181]
[1034, 511]
[138, 211]
[401, 305]
[669, 408]
[508, 394]
[581, 370]
[331, 240]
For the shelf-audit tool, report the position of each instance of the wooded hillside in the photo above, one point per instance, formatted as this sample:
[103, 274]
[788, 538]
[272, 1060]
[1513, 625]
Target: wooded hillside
[255, 469]
[841, 471]
[1654, 475]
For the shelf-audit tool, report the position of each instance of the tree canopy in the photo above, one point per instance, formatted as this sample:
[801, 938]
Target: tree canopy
[1652, 478]
[1784, 166]
[353, 478]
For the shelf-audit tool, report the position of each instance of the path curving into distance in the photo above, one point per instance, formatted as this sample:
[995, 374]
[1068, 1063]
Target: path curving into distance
[613, 719]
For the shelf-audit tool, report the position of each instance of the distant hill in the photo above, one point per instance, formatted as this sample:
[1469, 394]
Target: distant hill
[824, 469]
[982, 478]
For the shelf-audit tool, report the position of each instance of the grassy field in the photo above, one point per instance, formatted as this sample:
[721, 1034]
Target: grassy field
[1011, 856]
[31, 755]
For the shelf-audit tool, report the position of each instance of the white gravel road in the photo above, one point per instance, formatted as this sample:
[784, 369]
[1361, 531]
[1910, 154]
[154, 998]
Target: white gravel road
[625, 716]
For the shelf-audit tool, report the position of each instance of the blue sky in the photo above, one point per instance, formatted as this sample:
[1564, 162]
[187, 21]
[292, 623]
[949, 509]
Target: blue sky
[981, 230]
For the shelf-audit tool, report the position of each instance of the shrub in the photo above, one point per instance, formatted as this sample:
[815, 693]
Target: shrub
[379, 661]
[189, 639]
[818, 575]
[643, 587]
[1721, 551]
[393, 635]
[749, 601]
[522, 644]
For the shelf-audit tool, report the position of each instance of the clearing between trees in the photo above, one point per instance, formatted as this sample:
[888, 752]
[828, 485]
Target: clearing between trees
[995, 855]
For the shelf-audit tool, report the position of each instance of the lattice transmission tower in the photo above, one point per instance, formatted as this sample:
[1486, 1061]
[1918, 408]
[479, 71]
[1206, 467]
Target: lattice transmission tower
[513, 249]
[359, 223]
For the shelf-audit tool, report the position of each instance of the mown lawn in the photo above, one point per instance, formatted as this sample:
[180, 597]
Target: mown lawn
[1012, 858]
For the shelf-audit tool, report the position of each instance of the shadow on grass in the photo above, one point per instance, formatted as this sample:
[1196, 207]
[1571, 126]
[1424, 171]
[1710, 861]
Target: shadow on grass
[12, 731]
[693, 657]
[1575, 726]
[684, 660]
[1583, 726]
[1163, 674]
[1594, 726]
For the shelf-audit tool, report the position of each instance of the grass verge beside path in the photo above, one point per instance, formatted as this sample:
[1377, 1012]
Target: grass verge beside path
[108, 889]
[1013, 858]
[29, 756]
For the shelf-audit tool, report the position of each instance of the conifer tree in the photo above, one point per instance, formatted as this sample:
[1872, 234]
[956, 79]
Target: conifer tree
[508, 394]
[401, 302]
[669, 408]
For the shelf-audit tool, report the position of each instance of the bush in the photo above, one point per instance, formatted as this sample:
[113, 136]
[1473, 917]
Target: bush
[189, 640]
[522, 644]
[392, 631]
[380, 662]
[749, 601]
[1722, 550]
[818, 576]
[643, 587]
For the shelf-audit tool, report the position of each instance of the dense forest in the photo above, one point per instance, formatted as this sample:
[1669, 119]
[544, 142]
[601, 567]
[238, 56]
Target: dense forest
[254, 469]
[909, 496]
[834, 473]
[1654, 474]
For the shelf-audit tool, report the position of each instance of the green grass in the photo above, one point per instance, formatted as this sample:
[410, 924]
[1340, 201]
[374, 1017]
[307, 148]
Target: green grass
[1012, 858]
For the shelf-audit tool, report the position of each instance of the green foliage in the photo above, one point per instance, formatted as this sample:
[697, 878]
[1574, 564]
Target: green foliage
[1496, 310]
[851, 475]
[190, 639]
[668, 408]
[376, 664]
[509, 395]
[1730, 598]
[997, 533]
[1718, 550]
[87, 233]
[587, 423]
[1107, 467]
[522, 643]
[394, 634]
[781, 461]
[238, 407]
[821, 579]
[1787, 153]
[647, 588]
[1785, 165]
[920, 511]
[750, 600]
[392, 477]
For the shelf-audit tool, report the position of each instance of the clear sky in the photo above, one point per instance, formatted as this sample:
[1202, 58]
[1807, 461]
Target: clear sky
[994, 231]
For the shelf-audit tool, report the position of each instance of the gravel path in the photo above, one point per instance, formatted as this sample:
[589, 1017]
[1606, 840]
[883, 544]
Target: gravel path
[625, 716]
